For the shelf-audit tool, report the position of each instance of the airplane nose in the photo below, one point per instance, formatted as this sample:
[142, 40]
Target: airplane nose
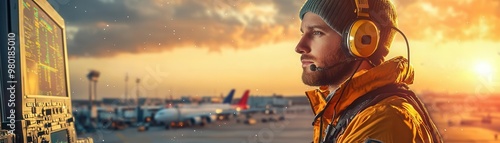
[159, 115]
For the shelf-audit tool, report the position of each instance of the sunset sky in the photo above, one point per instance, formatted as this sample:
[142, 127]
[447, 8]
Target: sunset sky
[207, 47]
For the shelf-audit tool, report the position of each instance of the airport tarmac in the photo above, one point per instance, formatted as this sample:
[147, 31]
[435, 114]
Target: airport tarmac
[474, 133]
[295, 128]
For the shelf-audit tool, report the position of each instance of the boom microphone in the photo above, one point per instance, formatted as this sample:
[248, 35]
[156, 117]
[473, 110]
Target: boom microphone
[313, 67]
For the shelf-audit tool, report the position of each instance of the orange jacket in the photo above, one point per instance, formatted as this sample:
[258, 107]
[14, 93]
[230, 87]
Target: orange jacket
[392, 120]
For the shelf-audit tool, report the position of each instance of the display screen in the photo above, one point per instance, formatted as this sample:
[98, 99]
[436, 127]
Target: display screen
[59, 137]
[44, 54]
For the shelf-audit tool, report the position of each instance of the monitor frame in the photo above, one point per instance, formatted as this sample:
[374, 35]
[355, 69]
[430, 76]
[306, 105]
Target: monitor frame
[59, 21]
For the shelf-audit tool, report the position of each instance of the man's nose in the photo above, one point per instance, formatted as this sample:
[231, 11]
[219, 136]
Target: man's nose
[303, 46]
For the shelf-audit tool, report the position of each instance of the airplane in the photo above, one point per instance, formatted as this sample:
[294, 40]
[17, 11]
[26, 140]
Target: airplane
[225, 111]
[199, 115]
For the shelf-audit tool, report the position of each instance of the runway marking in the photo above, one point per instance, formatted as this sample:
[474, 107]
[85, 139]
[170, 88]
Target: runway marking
[122, 137]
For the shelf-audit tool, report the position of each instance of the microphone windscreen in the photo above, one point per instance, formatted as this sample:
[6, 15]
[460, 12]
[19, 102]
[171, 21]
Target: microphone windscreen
[313, 67]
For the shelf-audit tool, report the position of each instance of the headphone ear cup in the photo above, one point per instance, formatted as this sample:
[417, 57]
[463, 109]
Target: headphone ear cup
[361, 38]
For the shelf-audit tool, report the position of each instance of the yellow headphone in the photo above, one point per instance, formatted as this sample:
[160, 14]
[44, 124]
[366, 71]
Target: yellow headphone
[362, 36]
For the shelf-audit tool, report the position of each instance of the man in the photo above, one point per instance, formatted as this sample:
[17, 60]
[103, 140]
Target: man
[361, 97]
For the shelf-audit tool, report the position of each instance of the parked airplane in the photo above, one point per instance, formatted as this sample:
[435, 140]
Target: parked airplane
[225, 111]
[200, 114]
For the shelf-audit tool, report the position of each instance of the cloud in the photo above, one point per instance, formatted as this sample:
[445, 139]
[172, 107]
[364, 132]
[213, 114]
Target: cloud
[106, 27]
[101, 28]
[446, 20]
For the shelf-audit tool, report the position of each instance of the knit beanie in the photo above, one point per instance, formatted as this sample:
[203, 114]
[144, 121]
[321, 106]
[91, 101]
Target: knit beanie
[339, 14]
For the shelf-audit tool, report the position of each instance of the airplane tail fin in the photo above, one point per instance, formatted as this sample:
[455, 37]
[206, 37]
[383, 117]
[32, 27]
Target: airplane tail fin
[229, 97]
[244, 98]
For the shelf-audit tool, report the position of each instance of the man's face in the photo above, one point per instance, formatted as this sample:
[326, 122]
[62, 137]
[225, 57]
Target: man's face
[320, 45]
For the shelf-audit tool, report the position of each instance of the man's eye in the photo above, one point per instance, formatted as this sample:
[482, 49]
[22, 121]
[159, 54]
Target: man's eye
[317, 33]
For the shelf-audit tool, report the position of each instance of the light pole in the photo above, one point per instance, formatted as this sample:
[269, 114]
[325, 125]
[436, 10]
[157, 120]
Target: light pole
[93, 75]
[139, 111]
[126, 89]
[95, 88]
[138, 80]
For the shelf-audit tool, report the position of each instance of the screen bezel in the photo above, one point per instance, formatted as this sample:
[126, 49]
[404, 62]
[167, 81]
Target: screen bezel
[59, 21]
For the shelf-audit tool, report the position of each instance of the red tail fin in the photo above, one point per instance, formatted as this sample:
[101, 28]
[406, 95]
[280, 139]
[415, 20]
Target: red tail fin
[244, 98]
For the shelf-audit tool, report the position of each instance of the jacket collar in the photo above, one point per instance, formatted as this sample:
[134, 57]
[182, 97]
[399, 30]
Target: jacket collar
[391, 71]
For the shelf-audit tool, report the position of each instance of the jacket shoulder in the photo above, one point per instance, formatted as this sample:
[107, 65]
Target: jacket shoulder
[391, 120]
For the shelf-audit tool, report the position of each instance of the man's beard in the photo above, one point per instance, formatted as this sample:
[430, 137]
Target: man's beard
[330, 75]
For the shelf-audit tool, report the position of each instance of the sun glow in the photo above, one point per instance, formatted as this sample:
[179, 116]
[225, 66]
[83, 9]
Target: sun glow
[484, 69]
